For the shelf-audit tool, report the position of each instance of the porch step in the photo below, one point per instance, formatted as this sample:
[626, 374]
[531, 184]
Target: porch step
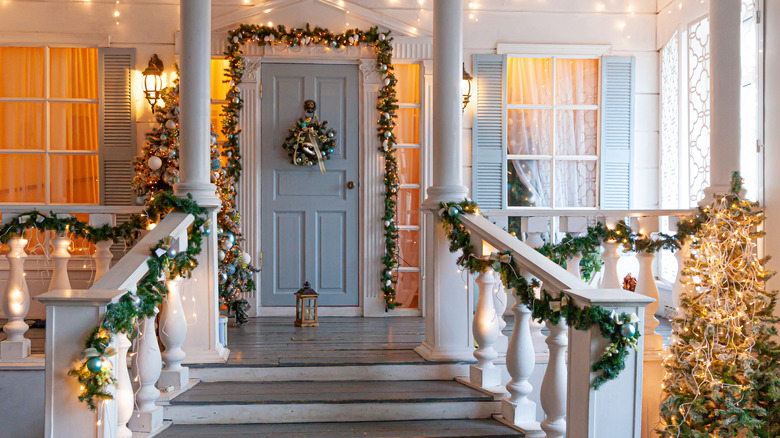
[377, 429]
[317, 402]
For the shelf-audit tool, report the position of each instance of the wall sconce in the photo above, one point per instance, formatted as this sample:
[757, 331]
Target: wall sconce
[466, 87]
[153, 80]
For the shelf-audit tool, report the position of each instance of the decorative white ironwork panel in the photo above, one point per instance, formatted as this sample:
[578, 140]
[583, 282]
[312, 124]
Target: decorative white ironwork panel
[670, 121]
[699, 108]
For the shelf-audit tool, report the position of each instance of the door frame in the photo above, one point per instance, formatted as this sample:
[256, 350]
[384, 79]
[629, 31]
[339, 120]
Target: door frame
[370, 167]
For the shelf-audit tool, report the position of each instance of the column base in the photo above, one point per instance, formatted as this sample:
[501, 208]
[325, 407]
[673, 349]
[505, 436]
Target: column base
[146, 422]
[218, 355]
[527, 428]
[14, 350]
[178, 379]
[437, 194]
[485, 377]
[205, 194]
[522, 415]
[444, 354]
[653, 377]
[653, 343]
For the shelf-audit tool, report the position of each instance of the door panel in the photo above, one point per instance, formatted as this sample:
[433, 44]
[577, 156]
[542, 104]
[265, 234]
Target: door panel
[313, 218]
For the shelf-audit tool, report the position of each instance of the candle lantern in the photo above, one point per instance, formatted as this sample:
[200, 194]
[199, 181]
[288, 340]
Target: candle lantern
[306, 306]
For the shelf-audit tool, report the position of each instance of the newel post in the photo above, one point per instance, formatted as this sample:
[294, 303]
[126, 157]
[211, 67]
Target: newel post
[615, 409]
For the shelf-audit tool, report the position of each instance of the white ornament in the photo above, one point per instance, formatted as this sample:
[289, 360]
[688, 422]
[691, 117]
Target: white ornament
[245, 257]
[170, 124]
[382, 37]
[154, 163]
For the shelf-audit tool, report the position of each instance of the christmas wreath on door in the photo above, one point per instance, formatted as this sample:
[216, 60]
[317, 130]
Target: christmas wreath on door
[310, 141]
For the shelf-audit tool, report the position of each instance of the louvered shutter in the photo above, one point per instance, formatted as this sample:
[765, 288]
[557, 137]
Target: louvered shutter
[117, 125]
[488, 174]
[618, 102]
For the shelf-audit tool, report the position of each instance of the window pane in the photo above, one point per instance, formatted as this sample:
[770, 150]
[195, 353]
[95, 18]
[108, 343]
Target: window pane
[409, 248]
[408, 87]
[576, 81]
[21, 125]
[408, 207]
[407, 290]
[408, 125]
[74, 179]
[529, 132]
[529, 81]
[74, 126]
[575, 183]
[21, 178]
[81, 245]
[21, 71]
[575, 132]
[216, 121]
[73, 73]
[219, 88]
[408, 165]
[529, 183]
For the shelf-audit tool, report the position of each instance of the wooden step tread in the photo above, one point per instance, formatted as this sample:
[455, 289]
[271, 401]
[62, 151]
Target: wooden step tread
[404, 391]
[377, 429]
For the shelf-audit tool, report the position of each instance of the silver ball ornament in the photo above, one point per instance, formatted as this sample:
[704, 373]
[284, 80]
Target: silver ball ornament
[154, 163]
[627, 330]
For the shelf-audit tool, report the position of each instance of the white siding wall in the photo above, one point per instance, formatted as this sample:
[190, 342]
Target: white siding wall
[629, 26]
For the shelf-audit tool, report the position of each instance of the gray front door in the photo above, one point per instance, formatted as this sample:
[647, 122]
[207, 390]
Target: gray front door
[309, 220]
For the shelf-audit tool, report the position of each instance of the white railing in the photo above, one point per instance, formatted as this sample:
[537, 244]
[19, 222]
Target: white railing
[72, 313]
[566, 391]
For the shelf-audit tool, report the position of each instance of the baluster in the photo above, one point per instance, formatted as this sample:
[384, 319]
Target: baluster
[500, 303]
[61, 256]
[102, 255]
[518, 409]
[485, 326]
[534, 240]
[148, 365]
[124, 388]
[173, 331]
[610, 256]
[16, 303]
[553, 391]
[645, 284]
[680, 288]
[575, 226]
[534, 228]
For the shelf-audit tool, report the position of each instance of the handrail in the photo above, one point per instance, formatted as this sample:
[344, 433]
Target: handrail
[554, 278]
[126, 273]
[541, 212]
[72, 209]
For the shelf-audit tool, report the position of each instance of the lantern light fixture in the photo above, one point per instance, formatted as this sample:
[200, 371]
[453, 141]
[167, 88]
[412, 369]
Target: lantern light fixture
[153, 80]
[466, 87]
[306, 307]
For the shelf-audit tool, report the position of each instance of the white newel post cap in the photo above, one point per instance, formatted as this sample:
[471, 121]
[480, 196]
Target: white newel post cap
[616, 407]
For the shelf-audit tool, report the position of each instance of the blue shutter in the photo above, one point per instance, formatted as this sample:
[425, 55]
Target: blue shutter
[117, 125]
[618, 102]
[488, 173]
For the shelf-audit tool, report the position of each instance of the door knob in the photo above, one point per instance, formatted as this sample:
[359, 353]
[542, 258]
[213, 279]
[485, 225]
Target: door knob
[351, 185]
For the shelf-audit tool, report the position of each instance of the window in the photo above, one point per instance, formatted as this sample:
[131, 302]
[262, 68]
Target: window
[49, 125]
[552, 125]
[408, 215]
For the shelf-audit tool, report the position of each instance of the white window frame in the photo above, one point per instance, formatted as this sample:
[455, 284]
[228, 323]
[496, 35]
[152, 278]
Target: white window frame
[47, 151]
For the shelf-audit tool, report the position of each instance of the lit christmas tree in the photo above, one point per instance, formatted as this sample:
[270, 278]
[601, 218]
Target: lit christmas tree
[157, 170]
[722, 373]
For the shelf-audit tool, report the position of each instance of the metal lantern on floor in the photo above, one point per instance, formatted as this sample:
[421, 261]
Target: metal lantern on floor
[306, 306]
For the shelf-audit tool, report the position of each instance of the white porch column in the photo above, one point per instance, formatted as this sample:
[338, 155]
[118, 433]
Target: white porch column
[448, 309]
[202, 343]
[725, 85]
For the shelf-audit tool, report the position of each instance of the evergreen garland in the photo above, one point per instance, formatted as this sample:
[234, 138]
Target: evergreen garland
[162, 144]
[386, 105]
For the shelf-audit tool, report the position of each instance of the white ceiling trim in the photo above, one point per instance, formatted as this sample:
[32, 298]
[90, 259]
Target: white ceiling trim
[396, 26]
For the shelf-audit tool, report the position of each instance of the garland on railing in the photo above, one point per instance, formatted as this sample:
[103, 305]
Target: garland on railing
[94, 373]
[386, 105]
[620, 330]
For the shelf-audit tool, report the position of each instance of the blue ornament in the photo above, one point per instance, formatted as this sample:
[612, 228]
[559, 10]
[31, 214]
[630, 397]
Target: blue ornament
[304, 124]
[171, 252]
[215, 164]
[388, 134]
[627, 330]
[95, 364]
[163, 137]
[206, 231]
[453, 210]
[231, 269]
[330, 151]
[231, 237]
[331, 134]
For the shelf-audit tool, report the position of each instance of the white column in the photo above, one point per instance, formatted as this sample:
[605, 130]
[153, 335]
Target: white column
[16, 303]
[553, 391]
[518, 409]
[124, 388]
[609, 276]
[202, 343]
[500, 303]
[173, 331]
[679, 288]
[645, 285]
[147, 364]
[59, 276]
[447, 307]
[102, 258]
[725, 74]
[485, 374]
